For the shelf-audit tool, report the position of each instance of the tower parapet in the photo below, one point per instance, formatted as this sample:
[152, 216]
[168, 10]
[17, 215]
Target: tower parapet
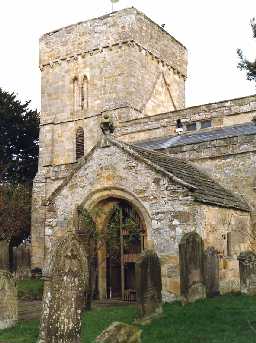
[122, 64]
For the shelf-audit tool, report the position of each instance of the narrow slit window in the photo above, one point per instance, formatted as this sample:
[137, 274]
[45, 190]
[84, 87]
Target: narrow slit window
[79, 143]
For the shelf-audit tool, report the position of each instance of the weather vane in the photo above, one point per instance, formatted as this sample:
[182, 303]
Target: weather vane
[113, 2]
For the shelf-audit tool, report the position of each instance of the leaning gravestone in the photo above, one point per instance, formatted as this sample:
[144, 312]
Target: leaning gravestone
[66, 280]
[148, 284]
[247, 269]
[211, 272]
[8, 300]
[191, 255]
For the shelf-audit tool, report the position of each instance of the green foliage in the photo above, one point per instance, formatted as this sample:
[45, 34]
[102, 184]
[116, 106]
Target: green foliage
[15, 211]
[30, 289]
[86, 228]
[130, 229]
[18, 164]
[96, 321]
[23, 332]
[18, 140]
[223, 319]
[94, 239]
[110, 236]
[245, 64]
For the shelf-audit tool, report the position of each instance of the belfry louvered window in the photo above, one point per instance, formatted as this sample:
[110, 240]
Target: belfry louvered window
[79, 143]
[84, 93]
[76, 95]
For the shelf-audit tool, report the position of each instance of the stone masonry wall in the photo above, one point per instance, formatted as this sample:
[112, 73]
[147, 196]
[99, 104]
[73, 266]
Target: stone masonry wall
[133, 68]
[223, 113]
[230, 161]
[171, 209]
[134, 71]
[157, 195]
[229, 232]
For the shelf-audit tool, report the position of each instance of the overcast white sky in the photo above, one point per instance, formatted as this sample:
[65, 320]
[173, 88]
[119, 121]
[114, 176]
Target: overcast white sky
[211, 31]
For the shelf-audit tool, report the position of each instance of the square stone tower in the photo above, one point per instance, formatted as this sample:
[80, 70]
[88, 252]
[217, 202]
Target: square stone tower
[122, 63]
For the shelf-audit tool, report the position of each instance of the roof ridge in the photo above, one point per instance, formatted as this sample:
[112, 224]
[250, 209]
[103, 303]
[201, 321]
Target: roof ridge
[129, 148]
[217, 191]
[199, 136]
[204, 189]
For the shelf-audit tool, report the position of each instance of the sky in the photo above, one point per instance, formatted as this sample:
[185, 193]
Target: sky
[211, 31]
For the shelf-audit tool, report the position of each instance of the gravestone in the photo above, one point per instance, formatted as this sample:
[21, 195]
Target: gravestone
[148, 284]
[66, 280]
[191, 255]
[8, 300]
[247, 270]
[211, 272]
[120, 333]
[21, 261]
[4, 255]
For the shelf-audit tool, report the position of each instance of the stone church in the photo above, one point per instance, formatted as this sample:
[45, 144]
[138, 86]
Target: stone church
[115, 133]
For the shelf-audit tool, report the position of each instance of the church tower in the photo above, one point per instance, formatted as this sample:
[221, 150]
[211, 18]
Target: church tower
[122, 64]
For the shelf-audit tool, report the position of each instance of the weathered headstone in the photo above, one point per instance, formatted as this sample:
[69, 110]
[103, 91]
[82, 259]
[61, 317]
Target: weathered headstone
[21, 261]
[191, 255]
[4, 255]
[66, 280]
[8, 300]
[247, 269]
[120, 333]
[211, 272]
[148, 284]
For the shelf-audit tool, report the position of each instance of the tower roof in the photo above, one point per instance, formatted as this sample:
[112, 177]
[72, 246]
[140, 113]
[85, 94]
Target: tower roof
[124, 11]
[126, 26]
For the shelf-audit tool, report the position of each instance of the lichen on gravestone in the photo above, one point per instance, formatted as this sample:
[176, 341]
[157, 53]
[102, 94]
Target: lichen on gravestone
[8, 300]
[148, 284]
[247, 270]
[66, 280]
[191, 259]
[211, 272]
[120, 333]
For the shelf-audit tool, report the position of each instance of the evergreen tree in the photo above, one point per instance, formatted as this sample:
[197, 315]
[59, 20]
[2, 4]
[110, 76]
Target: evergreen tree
[19, 131]
[245, 64]
[15, 212]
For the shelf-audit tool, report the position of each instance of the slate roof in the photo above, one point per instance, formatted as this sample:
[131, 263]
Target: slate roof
[203, 188]
[199, 136]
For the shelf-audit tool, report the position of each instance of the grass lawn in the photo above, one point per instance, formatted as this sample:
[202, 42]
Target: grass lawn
[226, 319]
[30, 289]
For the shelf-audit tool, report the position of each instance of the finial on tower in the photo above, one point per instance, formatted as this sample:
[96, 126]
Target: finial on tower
[113, 2]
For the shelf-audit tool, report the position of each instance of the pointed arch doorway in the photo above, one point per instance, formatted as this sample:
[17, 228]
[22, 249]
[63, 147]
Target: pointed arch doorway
[125, 240]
